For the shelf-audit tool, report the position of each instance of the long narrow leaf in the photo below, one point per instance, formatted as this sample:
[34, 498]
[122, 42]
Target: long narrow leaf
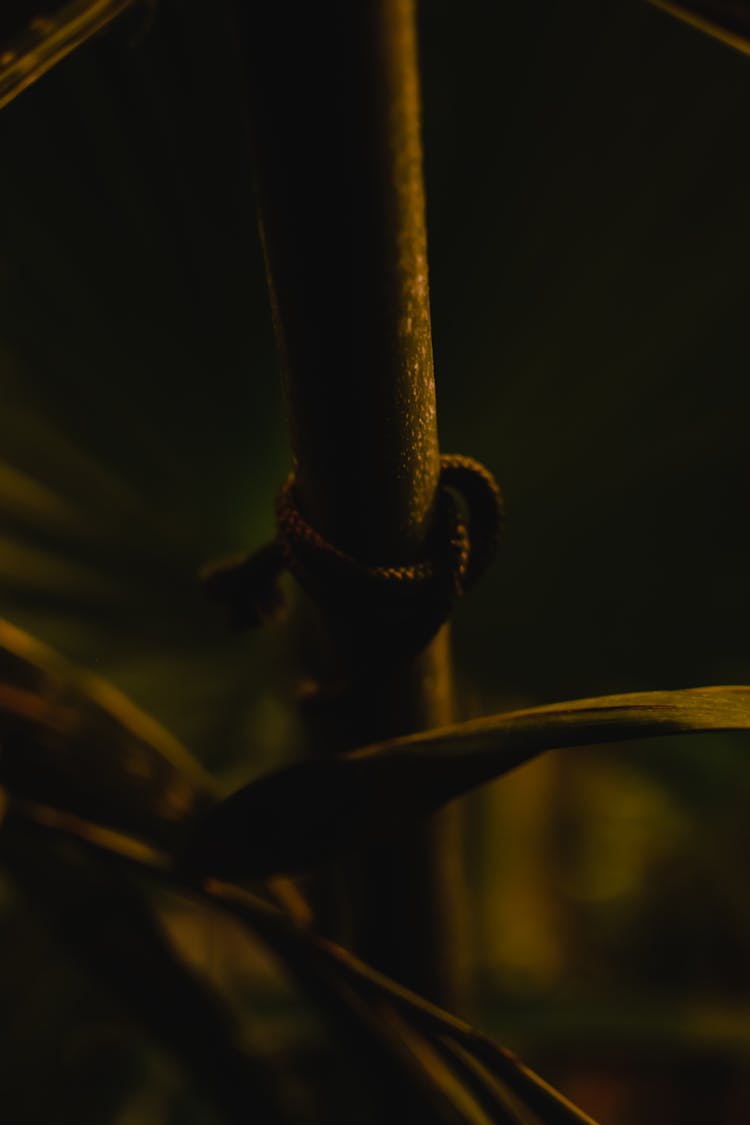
[49, 38]
[488, 1093]
[72, 742]
[537, 1094]
[410, 1076]
[408, 1080]
[726, 20]
[99, 916]
[319, 809]
[359, 1002]
[307, 949]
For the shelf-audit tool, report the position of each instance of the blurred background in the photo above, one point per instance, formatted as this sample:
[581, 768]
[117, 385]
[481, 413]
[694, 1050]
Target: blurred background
[587, 183]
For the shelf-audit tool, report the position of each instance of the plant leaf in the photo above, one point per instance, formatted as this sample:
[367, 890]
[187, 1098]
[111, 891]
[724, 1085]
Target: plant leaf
[502, 1064]
[98, 914]
[72, 742]
[364, 1008]
[405, 1076]
[318, 809]
[309, 953]
[726, 20]
[489, 1094]
[49, 38]
[410, 1074]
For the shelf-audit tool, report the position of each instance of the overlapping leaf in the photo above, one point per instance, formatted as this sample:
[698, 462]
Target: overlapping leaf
[308, 952]
[428, 1064]
[72, 742]
[100, 917]
[79, 762]
[322, 808]
[50, 37]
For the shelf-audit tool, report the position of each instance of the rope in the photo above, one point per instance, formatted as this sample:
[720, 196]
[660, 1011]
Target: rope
[395, 610]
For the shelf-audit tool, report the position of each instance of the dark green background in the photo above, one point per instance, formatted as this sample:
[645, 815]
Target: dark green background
[587, 181]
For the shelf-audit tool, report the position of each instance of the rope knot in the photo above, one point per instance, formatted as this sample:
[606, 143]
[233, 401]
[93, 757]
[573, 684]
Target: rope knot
[393, 610]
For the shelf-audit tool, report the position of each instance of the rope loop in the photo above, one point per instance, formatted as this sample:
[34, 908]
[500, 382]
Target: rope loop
[394, 610]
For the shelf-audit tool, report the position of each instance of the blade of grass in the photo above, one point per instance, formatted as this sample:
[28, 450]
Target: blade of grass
[485, 1090]
[71, 741]
[49, 38]
[501, 1063]
[402, 1078]
[409, 1077]
[725, 20]
[98, 915]
[446, 1071]
[355, 998]
[297, 942]
[316, 810]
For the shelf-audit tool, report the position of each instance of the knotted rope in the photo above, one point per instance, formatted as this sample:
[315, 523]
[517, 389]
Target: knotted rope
[395, 610]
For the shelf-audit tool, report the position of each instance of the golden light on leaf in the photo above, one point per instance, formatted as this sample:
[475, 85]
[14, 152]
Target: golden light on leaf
[728, 22]
[49, 39]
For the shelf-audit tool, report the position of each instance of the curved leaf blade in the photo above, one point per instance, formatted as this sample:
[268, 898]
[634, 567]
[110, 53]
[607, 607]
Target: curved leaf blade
[309, 953]
[490, 1095]
[73, 742]
[726, 20]
[51, 37]
[319, 809]
[410, 1037]
[499, 1062]
[407, 1073]
[98, 914]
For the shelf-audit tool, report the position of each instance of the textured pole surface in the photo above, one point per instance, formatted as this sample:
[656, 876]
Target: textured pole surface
[335, 109]
[336, 123]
